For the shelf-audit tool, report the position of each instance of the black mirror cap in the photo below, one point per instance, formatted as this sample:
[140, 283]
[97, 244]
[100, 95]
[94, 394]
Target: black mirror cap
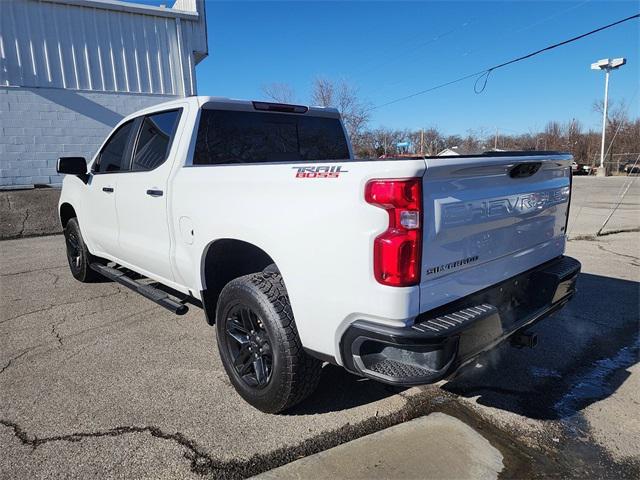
[72, 165]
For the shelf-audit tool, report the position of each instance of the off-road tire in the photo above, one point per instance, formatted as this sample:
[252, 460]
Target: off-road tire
[294, 374]
[78, 254]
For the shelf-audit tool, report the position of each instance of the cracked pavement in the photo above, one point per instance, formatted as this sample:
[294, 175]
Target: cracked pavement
[28, 212]
[98, 381]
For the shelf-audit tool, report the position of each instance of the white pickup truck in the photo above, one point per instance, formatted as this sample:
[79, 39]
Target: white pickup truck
[400, 270]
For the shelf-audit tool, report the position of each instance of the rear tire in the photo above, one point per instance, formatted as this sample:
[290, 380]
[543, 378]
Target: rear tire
[259, 344]
[78, 254]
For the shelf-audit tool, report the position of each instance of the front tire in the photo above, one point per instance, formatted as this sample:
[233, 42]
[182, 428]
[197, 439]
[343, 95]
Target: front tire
[259, 344]
[78, 254]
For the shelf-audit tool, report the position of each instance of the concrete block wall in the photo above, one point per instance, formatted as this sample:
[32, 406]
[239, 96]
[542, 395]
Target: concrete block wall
[38, 125]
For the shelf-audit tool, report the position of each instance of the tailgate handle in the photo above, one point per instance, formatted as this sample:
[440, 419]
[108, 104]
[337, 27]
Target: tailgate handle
[524, 169]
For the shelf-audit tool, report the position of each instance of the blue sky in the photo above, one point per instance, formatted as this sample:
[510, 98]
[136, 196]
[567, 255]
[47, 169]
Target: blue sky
[391, 49]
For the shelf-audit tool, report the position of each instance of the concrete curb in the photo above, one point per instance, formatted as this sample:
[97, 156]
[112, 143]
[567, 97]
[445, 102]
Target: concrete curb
[29, 213]
[435, 446]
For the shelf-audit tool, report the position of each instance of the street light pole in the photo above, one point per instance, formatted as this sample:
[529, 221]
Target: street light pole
[604, 117]
[607, 65]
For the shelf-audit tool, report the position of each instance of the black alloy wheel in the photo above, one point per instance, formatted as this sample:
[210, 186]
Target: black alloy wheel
[249, 346]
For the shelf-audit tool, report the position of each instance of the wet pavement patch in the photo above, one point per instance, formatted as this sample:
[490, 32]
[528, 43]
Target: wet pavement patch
[598, 381]
[584, 351]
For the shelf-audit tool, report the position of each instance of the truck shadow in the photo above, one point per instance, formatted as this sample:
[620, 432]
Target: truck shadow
[582, 357]
[340, 390]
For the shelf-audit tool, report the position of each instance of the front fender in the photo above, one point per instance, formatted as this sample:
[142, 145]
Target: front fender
[73, 194]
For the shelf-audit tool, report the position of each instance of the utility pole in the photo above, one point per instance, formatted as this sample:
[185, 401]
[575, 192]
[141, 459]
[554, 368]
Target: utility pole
[422, 141]
[607, 65]
[495, 143]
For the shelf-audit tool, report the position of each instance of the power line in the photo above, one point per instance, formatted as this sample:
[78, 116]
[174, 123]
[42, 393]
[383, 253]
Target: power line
[556, 45]
[483, 75]
[397, 56]
[469, 22]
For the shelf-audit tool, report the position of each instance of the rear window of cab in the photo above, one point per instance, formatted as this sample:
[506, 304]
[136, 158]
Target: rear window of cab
[231, 137]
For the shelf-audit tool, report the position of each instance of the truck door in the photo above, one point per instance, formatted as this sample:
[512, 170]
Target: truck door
[99, 225]
[144, 240]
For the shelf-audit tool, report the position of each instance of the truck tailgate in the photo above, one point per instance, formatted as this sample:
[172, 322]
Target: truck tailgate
[488, 218]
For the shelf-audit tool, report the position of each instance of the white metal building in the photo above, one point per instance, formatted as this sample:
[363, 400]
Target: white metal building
[71, 69]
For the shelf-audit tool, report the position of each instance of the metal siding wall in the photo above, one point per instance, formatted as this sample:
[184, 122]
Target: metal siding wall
[81, 48]
[38, 125]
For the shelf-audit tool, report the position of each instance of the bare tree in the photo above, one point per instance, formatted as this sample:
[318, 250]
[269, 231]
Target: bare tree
[379, 142]
[553, 136]
[621, 130]
[323, 93]
[344, 97]
[452, 141]
[433, 141]
[616, 113]
[471, 143]
[279, 92]
[615, 110]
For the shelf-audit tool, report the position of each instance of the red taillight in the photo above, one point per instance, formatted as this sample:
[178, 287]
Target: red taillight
[396, 252]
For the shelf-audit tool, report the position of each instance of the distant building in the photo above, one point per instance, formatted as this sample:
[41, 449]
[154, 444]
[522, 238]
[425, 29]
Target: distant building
[71, 69]
[454, 151]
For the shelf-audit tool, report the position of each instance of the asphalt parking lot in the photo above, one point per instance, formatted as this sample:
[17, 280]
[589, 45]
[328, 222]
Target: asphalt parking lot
[98, 381]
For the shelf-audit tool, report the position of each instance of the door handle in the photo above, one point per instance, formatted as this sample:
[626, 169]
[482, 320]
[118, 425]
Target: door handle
[154, 193]
[107, 189]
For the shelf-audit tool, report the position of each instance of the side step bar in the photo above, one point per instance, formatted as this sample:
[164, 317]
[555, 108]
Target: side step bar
[154, 294]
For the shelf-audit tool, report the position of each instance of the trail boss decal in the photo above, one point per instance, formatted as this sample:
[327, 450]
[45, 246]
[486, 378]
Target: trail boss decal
[326, 171]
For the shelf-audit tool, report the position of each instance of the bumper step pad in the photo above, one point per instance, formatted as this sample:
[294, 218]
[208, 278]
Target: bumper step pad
[452, 322]
[394, 369]
[565, 268]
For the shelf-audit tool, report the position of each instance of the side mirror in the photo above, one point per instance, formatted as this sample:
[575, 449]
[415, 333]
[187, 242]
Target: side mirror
[73, 166]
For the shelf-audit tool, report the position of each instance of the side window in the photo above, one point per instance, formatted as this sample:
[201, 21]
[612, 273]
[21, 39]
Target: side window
[112, 155]
[156, 133]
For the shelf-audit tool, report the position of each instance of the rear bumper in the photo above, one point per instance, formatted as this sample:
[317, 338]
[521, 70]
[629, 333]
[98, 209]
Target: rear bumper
[442, 340]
